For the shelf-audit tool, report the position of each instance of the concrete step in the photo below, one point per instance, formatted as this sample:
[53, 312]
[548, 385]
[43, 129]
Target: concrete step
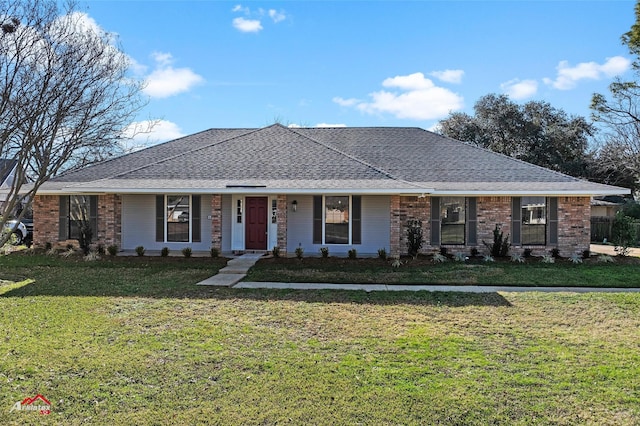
[223, 280]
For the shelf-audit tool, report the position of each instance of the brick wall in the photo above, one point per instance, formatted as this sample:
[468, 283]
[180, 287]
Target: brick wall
[574, 225]
[492, 211]
[216, 221]
[109, 220]
[46, 217]
[46, 212]
[282, 223]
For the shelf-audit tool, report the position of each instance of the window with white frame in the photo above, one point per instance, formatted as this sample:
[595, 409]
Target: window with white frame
[178, 218]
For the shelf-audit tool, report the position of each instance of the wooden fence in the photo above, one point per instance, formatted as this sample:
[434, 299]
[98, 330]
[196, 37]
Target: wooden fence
[601, 229]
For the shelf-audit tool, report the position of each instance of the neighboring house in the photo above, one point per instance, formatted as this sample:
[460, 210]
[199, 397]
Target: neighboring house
[342, 188]
[606, 206]
[7, 175]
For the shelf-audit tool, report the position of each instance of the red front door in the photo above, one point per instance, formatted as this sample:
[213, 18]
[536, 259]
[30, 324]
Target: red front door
[255, 228]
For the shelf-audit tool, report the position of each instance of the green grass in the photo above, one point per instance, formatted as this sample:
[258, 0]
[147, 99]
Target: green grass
[623, 273]
[135, 342]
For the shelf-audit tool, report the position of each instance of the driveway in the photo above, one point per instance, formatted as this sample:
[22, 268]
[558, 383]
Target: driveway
[602, 249]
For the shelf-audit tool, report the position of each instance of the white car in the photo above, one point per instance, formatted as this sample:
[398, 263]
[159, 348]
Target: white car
[18, 231]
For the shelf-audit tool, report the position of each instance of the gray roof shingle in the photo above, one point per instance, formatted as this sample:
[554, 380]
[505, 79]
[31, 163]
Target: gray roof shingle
[295, 159]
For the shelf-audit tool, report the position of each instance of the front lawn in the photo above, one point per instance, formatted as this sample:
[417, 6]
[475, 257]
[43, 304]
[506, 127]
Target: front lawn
[624, 272]
[134, 341]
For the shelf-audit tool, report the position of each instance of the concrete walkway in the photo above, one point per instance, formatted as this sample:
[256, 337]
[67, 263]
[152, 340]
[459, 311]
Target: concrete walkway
[610, 250]
[235, 271]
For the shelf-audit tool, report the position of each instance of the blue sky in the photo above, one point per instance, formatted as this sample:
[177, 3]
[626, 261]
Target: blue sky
[361, 63]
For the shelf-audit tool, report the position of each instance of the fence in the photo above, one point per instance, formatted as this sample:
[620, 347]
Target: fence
[601, 229]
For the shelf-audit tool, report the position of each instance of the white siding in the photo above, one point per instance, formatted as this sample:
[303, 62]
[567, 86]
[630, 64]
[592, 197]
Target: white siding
[375, 227]
[139, 224]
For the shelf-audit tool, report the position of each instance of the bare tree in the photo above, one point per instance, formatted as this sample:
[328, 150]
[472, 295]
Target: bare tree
[65, 93]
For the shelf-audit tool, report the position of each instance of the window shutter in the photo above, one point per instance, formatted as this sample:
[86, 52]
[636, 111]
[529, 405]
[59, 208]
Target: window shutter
[93, 215]
[435, 221]
[516, 220]
[317, 219]
[356, 217]
[160, 218]
[553, 220]
[472, 221]
[195, 219]
[63, 221]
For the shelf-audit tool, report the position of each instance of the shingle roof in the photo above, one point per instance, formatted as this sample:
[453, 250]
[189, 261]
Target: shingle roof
[278, 158]
[6, 166]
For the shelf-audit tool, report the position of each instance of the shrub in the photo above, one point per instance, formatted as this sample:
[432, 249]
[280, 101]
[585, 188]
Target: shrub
[586, 254]
[140, 250]
[527, 252]
[488, 258]
[100, 249]
[444, 251]
[548, 259]
[275, 251]
[92, 256]
[555, 253]
[112, 250]
[186, 252]
[69, 246]
[324, 252]
[85, 237]
[604, 258]
[396, 262]
[500, 245]
[576, 258]
[623, 233]
[516, 257]
[438, 258]
[353, 253]
[299, 252]
[460, 257]
[215, 252]
[48, 246]
[382, 253]
[164, 252]
[475, 252]
[414, 237]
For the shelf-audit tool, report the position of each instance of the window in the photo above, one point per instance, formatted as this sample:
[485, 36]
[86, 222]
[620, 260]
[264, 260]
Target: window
[337, 219]
[534, 220]
[74, 211]
[178, 218]
[452, 220]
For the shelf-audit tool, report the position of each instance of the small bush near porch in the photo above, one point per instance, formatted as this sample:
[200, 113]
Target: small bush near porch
[134, 341]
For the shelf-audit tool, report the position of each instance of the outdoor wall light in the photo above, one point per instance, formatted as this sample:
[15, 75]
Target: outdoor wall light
[294, 205]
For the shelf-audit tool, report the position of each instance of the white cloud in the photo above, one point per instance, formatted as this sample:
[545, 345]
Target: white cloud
[253, 22]
[247, 25]
[417, 99]
[520, 89]
[568, 77]
[330, 125]
[141, 134]
[277, 16]
[345, 102]
[167, 81]
[448, 76]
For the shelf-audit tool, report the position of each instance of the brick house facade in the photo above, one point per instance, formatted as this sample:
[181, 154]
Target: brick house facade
[573, 232]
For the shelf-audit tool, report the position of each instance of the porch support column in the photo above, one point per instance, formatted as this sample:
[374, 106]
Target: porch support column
[216, 221]
[395, 230]
[282, 223]
[109, 219]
